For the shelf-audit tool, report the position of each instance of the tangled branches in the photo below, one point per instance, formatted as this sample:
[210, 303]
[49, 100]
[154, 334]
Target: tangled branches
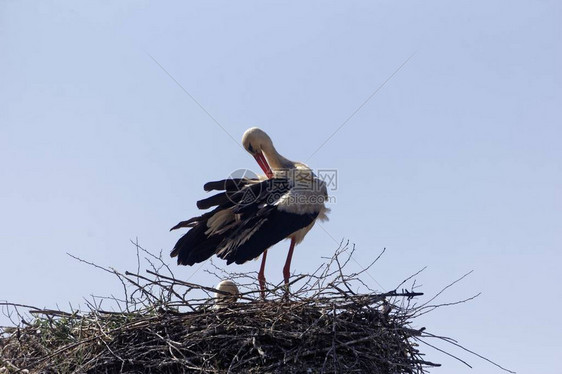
[166, 325]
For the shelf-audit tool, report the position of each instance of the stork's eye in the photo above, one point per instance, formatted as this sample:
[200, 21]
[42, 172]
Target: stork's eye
[250, 148]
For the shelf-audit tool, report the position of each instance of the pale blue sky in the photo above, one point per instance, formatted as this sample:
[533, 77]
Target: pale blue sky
[454, 164]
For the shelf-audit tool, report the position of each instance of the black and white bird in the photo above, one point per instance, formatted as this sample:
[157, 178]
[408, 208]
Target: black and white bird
[252, 214]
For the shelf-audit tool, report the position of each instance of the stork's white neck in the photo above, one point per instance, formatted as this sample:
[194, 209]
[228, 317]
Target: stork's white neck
[275, 160]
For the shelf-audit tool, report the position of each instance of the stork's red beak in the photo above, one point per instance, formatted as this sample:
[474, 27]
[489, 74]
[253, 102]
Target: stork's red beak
[262, 162]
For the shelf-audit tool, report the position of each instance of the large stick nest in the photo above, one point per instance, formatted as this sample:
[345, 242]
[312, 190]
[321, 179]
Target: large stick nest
[165, 325]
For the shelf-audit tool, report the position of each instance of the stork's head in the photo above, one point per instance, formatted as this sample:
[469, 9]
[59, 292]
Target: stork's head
[257, 142]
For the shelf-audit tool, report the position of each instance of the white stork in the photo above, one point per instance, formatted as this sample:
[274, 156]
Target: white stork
[252, 214]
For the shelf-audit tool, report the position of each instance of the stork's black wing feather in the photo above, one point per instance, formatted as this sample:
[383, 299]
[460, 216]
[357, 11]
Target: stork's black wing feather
[196, 246]
[230, 184]
[274, 226]
[256, 225]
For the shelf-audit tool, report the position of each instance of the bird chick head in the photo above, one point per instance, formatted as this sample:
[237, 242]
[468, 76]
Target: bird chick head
[230, 288]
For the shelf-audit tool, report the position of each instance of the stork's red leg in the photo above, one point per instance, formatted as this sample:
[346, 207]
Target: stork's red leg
[287, 267]
[261, 275]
